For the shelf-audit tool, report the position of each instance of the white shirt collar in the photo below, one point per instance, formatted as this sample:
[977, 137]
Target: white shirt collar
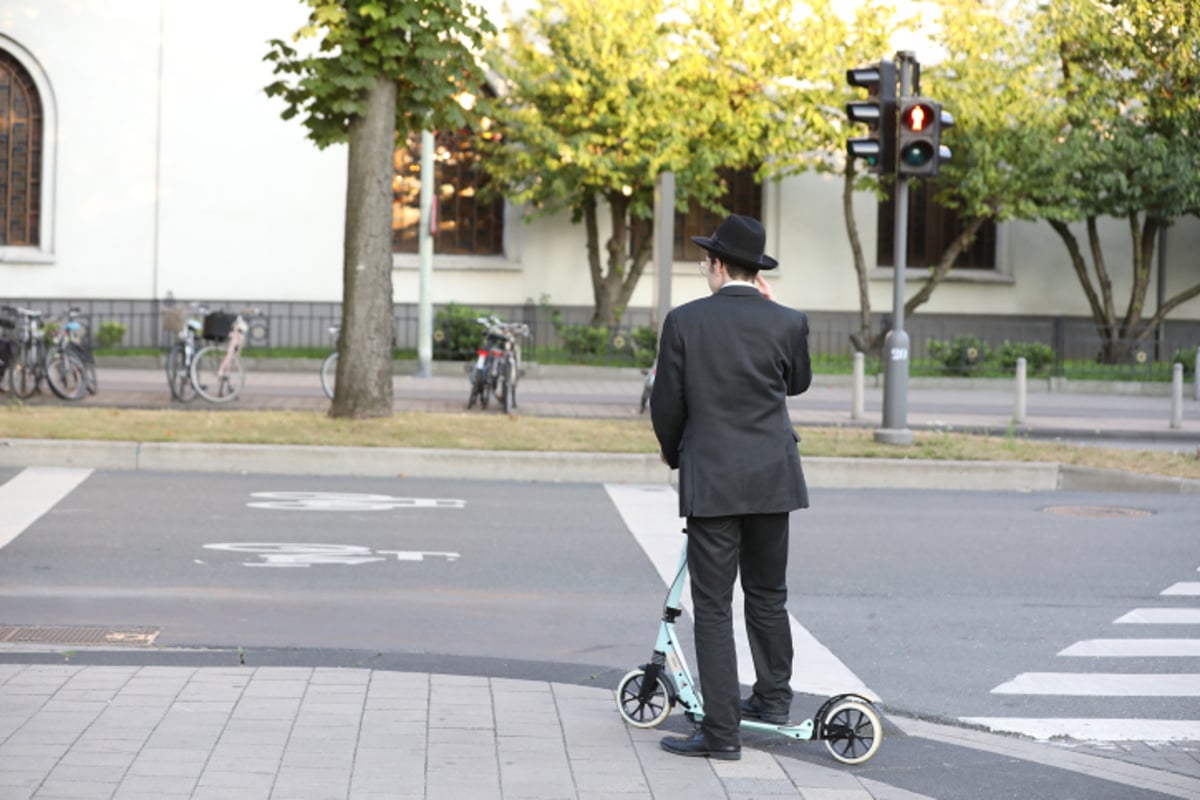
[739, 283]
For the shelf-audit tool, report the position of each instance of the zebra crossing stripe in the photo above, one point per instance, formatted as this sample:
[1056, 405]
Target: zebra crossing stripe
[1102, 684]
[1094, 730]
[1190, 588]
[1135, 648]
[31, 493]
[651, 513]
[1160, 616]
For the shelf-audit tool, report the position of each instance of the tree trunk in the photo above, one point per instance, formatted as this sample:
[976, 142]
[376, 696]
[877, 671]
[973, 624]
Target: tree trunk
[864, 341]
[364, 374]
[612, 288]
[956, 247]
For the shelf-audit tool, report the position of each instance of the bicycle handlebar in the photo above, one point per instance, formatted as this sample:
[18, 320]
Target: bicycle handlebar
[495, 326]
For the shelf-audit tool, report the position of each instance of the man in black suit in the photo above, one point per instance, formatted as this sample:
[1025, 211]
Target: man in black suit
[726, 365]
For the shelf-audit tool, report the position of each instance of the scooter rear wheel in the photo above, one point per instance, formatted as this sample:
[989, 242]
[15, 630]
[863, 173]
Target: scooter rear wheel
[639, 712]
[852, 731]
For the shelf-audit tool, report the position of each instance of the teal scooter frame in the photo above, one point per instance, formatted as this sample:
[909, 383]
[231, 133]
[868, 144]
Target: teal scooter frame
[848, 724]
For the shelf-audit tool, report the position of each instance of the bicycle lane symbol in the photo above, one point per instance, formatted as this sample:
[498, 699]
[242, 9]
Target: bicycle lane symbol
[302, 555]
[346, 501]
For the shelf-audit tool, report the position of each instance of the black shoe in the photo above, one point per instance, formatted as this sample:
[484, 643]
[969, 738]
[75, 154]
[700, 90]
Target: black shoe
[698, 744]
[753, 708]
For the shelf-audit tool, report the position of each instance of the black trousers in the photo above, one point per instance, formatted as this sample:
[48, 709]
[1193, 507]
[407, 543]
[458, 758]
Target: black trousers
[718, 547]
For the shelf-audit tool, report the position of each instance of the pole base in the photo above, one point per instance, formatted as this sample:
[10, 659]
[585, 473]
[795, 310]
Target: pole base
[894, 436]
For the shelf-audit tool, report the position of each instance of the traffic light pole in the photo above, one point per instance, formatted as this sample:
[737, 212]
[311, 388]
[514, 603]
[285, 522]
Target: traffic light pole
[895, 346]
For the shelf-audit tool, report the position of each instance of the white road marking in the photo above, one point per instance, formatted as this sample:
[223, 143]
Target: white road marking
[651, 513]
[1183, 588]
[1134, 648]
[1094, 730]
[1160, 616]
[31, 493]
[1103, 684]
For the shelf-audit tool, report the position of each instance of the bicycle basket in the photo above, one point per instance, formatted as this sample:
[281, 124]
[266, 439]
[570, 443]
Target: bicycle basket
[173, 319]
[218, 324]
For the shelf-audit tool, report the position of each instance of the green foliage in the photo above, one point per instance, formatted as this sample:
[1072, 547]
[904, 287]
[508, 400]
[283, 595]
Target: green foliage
[425, 46]
[456, 333]
[1038, 356]
[963, 356]
[1187, 357]
[645, 345]
[110, 334]
[585, 340]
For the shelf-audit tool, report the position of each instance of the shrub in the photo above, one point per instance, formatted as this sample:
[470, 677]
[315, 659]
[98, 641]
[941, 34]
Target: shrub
[1038, 356]
[111, 334]
[456, 334]
[1187, 357]
[964, 355]
[584, 340]
[645, 345]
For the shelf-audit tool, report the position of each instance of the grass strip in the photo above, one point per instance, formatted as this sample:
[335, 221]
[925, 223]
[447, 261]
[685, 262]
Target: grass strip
[478, 431]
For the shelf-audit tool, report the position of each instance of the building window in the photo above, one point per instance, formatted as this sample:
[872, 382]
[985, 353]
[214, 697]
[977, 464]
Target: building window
[743, 195]
[465, 225]
[21, 133]
[931, 228]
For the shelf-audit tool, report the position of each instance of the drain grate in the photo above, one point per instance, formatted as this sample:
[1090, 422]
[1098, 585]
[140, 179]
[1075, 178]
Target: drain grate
[75, 634]
[1098, 512]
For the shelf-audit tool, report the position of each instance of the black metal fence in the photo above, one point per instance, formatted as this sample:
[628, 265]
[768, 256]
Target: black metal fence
[951, 344]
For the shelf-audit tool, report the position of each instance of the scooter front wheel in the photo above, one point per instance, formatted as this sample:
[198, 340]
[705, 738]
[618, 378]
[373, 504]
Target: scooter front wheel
[852, 731]
[640, 705]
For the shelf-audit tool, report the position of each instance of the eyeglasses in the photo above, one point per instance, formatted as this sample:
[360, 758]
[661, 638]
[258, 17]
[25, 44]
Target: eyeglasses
[704, 265]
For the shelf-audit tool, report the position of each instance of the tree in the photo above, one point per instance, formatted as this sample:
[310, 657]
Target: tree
[601, 96]
[1130, 76]
[382, 67]
[999, 84]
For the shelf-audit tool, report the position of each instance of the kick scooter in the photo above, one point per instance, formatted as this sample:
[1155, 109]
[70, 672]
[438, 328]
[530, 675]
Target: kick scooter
[848, 724]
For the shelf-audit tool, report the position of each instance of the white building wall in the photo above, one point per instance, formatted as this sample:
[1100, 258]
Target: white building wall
[176, 173]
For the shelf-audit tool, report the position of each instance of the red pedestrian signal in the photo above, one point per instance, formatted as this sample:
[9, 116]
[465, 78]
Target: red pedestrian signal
[918, 142]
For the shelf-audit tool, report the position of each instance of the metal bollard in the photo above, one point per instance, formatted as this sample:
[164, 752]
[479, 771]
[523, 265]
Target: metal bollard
[1196, 375]
[1021, 392]
[1177, 396]
[856, 397]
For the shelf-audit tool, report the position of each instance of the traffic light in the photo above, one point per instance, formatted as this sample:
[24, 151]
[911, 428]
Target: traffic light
[878, 114]
[919, 140]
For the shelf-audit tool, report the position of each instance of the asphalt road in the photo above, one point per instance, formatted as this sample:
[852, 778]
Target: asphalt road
[932, 600]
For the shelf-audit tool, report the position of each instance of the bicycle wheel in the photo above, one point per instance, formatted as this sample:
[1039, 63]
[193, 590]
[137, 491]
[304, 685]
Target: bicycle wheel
[89, 366]
[210, 382]
[27, 372]
[64, 374]
[487, 383]
[179, 376]
[508, 385]
[329, 374]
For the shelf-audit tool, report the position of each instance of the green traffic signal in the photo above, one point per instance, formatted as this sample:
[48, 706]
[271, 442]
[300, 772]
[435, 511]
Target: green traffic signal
[917, 154]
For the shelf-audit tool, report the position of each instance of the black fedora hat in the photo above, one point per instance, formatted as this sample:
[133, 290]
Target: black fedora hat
[739, 240]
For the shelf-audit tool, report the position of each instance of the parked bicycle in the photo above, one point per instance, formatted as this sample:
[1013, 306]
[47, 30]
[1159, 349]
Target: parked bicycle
[187, 327]
[75, 338]
[329, 366]
[648, 386]
[497, 365]
[32, 362]
[217, 372]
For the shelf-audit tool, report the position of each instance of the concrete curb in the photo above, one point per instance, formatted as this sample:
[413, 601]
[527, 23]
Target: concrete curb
[826, 473]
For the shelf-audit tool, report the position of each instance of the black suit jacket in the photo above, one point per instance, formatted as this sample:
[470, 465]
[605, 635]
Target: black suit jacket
[726, 365]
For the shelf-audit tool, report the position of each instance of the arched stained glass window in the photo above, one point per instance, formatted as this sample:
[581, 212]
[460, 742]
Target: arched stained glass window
[21, 132]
